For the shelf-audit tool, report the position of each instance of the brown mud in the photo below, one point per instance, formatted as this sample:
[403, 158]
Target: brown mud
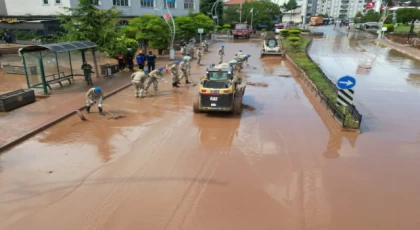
[257, 84]
[282, 166]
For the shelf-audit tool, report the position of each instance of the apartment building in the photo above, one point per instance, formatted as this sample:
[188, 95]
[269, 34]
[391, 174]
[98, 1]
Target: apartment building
[42, 14]
[344, 9]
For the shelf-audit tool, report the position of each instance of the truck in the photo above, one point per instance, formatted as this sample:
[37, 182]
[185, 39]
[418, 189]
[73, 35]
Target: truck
[242, 30]
[316, 21]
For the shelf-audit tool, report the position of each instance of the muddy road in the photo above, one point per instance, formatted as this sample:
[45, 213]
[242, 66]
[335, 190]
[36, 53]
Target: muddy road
[280, 166]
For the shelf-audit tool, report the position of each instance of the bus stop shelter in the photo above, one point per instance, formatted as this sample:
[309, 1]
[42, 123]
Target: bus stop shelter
[40, 52]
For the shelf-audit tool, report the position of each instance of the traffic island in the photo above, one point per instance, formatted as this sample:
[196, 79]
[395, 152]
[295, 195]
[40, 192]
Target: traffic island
[296, 53]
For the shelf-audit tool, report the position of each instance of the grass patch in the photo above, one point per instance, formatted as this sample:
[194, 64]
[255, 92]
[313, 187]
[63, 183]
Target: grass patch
[298, 55]
[402, 29]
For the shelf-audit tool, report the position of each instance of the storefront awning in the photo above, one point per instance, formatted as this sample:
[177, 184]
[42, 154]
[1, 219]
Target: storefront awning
[60, 47]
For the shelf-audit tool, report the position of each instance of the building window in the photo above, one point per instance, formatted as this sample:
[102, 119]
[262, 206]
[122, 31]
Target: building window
[170, 3]
[95, 2]
[57, 1]
[147, 3]
[121, 3]
[45, 2]
[188, 4]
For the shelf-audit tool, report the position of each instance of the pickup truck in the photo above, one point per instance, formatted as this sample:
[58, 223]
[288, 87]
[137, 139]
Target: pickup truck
[242, 30]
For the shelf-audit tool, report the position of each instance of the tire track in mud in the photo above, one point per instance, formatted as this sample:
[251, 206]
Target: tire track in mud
[194, 192]
[114, 197]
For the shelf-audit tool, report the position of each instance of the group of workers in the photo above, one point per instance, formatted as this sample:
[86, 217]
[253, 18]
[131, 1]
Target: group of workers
[144, 78]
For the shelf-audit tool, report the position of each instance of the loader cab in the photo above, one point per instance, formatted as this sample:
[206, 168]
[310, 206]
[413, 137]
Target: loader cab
[272, 42]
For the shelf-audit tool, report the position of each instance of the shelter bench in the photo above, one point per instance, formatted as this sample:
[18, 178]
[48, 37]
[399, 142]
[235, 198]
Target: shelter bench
[57, 78]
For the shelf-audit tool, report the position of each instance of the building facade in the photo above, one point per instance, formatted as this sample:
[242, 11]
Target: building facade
[344, 9]
[42, 14]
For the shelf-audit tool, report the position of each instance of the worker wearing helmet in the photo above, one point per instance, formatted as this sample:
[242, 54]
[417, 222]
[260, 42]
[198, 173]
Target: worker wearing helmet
[153, 76]
[239, 54]
[184, 67]
[187, 59]
[94, 95]
[175, 74]
[139, 79]
[221, 53]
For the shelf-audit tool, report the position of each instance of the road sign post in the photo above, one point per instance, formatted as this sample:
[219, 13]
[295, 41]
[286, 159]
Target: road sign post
[201, 31]
[345, 92]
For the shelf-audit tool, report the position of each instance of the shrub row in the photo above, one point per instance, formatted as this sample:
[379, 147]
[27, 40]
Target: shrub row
[299, 56]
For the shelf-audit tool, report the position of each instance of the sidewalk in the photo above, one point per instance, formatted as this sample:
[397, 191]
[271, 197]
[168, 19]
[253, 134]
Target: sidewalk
[23, 122]
[407, 50]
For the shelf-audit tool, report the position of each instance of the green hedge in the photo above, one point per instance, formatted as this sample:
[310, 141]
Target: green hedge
[284, 33]
[390, 28]
[294, 32]
[299, 56]
[293, 39]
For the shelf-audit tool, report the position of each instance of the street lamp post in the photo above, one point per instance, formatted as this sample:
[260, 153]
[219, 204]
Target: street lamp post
[215, 17]
[173, 30]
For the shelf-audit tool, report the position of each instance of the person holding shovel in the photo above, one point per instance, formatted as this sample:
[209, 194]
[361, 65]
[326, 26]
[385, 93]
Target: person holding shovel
[87, 72]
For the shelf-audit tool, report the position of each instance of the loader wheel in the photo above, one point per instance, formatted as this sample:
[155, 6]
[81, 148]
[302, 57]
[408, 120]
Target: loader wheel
[237, 104]
[196, 105]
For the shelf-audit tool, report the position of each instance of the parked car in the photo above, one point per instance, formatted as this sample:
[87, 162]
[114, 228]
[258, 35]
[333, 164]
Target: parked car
[371, 25]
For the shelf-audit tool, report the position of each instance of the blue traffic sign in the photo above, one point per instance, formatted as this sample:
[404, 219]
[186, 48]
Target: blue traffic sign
[346, 82]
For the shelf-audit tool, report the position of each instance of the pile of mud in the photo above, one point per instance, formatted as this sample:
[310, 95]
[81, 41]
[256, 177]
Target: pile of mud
[116, 117]
[257, 84]
[284, 75]
[248, 107]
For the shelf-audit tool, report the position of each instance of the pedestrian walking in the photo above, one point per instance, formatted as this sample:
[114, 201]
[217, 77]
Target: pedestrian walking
[93, 96]
[175, 74]
[151, 61]
[87, 72]
[130, 58]
[121, 61]
[184, 66]
[139, 79]
[153, 78]
[140, 58]
[199, 56]
[221, 53]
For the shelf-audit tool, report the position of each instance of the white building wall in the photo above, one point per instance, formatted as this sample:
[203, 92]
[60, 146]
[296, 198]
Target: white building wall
[35, 7]
[134, 9]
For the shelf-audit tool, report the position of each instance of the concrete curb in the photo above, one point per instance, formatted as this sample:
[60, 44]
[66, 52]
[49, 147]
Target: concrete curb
[51, 123]
[398, 49]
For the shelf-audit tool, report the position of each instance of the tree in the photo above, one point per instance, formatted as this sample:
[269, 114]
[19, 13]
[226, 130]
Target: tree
[290, 6]
[120, 46]
[359, 17]
[206, 5]
[263, 12]
[185, 27]
[86, 22]
[405, 15]
[231, 15]
[414, 3]
[202, 21]
[150, 29]
[371, 16]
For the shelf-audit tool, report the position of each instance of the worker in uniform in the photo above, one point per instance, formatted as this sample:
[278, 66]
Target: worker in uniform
[238, 78]
[94, 95]
[221, 53]
[153, 76]
[245, 57]
[239, 54]
[184, 66]
[87, 72]
[206, 46]
[175, 74]
[198, 56]
[138, 79]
